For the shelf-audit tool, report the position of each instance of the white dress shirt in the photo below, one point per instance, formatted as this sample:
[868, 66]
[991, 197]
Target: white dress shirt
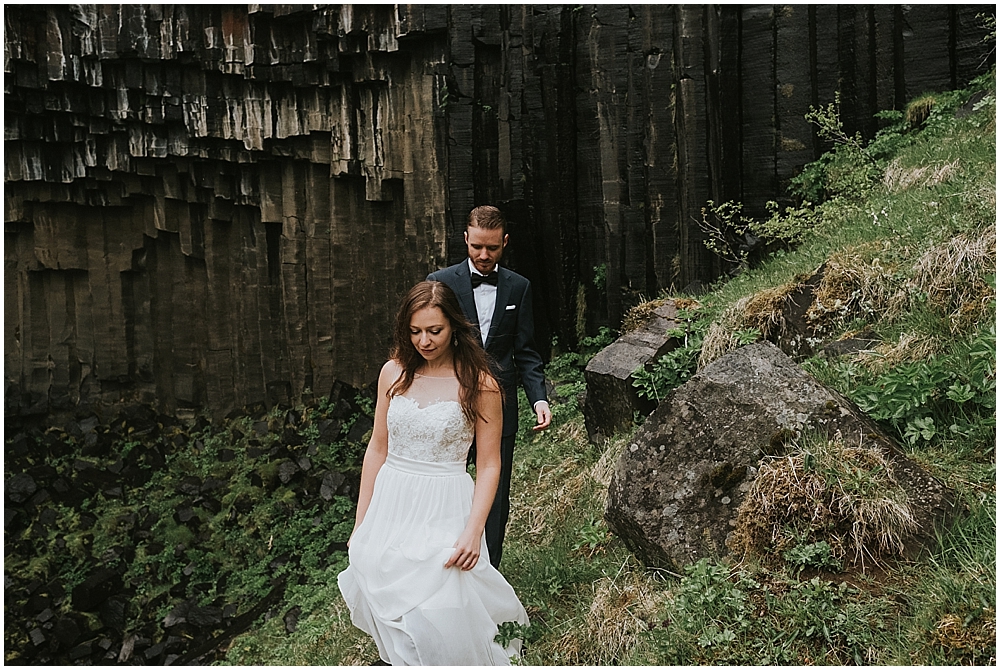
[486, 301]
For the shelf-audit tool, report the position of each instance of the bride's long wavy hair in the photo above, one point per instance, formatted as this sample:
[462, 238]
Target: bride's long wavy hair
[472, 364]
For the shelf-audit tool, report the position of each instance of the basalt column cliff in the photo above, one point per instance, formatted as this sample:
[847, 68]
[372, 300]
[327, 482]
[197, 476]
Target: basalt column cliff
[213, 206]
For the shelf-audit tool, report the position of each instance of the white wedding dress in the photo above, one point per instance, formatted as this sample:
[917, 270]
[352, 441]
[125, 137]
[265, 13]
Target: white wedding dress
[396, 587]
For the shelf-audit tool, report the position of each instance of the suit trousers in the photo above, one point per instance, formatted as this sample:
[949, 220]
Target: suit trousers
[496, 522]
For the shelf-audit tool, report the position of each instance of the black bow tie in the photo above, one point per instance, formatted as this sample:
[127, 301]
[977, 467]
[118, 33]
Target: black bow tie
[478, 279]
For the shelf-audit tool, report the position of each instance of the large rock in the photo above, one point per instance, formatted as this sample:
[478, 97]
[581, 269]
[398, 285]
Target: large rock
[677, 487]
[612, 401]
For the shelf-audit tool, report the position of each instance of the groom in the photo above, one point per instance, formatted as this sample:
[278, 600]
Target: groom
[498, 301]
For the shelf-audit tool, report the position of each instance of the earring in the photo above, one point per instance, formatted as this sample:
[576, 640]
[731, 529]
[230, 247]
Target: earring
[454, 340]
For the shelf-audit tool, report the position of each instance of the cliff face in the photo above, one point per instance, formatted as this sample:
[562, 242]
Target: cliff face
[213, 206]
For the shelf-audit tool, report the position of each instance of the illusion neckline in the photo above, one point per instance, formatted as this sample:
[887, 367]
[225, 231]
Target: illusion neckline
[419, 406]
[417, 374]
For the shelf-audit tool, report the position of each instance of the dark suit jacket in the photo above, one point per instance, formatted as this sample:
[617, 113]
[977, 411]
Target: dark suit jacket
[511, 338]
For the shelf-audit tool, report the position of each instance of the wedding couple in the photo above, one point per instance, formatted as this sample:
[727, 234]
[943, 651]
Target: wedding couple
[416, 583]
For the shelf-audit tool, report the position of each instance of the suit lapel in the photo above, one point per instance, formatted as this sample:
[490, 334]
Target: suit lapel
[503, 293]
[464, 293]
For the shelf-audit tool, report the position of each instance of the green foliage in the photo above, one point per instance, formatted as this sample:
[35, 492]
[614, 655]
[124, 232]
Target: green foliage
[854, 166]
[951, 617]
[709, 605]
[592, 535]
[727, 617]
[233, 542]
[990, 23]
[942, 397]
[817, 555]
[508, 631]
[591, 345]
[676, 366]
[601, 276]
[729, 234]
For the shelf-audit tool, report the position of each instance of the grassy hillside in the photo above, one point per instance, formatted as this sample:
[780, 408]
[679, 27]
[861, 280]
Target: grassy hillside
[157, 540]
[905, 230]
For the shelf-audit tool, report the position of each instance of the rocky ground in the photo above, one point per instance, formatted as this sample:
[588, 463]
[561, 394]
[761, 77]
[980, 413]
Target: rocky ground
[134, 541]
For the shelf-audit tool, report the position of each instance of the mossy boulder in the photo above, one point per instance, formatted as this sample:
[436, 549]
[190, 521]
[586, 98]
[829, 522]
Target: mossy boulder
[677, 488]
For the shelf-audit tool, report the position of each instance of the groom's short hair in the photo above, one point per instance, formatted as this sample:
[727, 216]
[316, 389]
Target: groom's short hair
[487, 217]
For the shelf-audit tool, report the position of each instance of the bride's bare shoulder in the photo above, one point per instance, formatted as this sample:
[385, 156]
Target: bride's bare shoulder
[390, 371]
[488, 383]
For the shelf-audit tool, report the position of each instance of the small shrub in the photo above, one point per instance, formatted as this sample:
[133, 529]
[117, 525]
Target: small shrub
[732, 236]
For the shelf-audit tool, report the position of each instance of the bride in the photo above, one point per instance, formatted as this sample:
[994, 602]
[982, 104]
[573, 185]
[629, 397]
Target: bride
[419, 581]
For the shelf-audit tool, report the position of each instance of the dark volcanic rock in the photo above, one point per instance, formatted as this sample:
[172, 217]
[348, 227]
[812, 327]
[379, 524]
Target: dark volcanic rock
[205, 617]
[113, 613]
[851, 345]
[66, 631]
[287, 470]
[676, 489]
[612, 401]
[190, 485]
[332, 481]
[292, 619]
[178, 615]
[20, 487]
[95, 589]
[82, 650]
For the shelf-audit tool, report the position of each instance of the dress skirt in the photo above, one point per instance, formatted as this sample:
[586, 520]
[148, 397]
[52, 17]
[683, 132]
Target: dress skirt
[397, 588]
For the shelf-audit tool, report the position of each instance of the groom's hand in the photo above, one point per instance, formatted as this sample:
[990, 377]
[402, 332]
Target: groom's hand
[543, 414]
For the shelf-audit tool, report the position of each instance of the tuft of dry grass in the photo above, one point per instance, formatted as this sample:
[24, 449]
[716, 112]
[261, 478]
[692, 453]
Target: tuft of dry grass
[910, 347]
[640, 314]
[619, 615]
[843, 494]
[854, 283]
[898, 179]
[763, 311]
[919, 110]
[643, 312]
[613, 629]
[539, 504]
[719, 340]
[961, 639]
[951, 275]
[604, 468]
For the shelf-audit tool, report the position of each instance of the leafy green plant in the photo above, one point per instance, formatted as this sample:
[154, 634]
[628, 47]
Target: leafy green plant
[817, 555]
[709, 613]
[730, 235]
[592, 535]
[676, 366]
[939, 397]
[817, 610]
[601, 276]
[508, 631]
[594, 343]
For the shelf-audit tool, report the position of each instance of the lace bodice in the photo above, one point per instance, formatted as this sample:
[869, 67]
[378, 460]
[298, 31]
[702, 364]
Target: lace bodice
[427, 423]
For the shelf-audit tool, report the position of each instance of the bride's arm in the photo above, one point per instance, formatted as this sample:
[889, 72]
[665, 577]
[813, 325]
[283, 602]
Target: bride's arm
[489, 428]
[378, 445]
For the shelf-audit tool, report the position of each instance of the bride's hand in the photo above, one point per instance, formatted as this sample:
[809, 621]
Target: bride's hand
[466, 552]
